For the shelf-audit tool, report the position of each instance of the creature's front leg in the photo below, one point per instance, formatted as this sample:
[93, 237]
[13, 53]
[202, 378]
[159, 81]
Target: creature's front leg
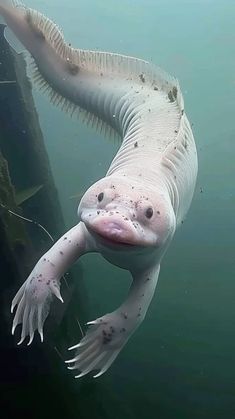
[34, 297]
[108, 334]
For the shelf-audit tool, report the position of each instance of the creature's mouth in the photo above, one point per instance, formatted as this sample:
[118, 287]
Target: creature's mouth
[112, 233]
[112, 241]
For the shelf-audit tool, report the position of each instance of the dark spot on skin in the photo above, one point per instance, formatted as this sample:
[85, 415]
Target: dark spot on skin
[52, 264]
[201, 190]
[73, 69]
[28, 17]
[174, 148]
[37, 32]
[101, 74]
[39, 280]
[69, 241]
[98, 212]
[147, 279]
[174, 177]
[106, 340]
[182, 222]
[158, 212]
[149, 110]
[155, 88]
[123, 329]
[61, 252]
[170, 96]
[174, 91]
[138, 315]
[132, 187]
[126, 219]
[125, 315]
[104, 333]
[65, 238]
[48, 282]
[136, 144]
[142, 295]
[182, 112]
[44, 259]
[176, 131]
[142, 78]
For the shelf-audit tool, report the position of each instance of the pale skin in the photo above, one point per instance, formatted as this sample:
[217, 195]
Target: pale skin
[130, 215]
[106, 335]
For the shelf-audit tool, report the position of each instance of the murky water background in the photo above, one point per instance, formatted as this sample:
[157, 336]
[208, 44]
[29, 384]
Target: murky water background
[181, 362]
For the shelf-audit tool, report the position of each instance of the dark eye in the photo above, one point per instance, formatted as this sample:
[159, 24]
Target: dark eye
[149, 212]
[100, 196]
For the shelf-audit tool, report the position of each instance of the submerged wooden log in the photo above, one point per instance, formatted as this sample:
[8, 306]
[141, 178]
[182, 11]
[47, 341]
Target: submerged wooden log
[15, 244]
[24, 163]
[21, 142]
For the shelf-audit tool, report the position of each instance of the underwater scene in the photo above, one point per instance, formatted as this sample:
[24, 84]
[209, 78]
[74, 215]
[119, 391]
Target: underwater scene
[88, 244]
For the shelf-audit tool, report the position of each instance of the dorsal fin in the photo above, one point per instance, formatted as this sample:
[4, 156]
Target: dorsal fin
[101, 63]
[104, 62]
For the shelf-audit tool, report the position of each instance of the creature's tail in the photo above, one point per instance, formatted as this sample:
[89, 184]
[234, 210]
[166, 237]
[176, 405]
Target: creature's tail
[81, 81]
[6, 5]
[14, 15]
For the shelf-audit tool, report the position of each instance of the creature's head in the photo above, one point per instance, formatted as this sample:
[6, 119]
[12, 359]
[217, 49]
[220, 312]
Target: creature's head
[119, 212]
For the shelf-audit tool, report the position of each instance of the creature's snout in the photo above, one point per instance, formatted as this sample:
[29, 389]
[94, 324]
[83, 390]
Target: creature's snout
[111, 229]
[115, 230]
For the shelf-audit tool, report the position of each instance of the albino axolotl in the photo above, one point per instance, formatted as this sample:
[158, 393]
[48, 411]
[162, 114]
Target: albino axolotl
[130, 215]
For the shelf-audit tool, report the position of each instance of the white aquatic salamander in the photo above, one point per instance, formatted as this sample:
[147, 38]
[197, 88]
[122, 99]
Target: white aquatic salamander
[130, 215]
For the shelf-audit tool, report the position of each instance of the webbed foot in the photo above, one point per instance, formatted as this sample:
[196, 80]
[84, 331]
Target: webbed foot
[33, 302]
[102, 343]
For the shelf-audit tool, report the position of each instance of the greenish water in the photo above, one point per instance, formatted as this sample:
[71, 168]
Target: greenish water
[181, 362]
